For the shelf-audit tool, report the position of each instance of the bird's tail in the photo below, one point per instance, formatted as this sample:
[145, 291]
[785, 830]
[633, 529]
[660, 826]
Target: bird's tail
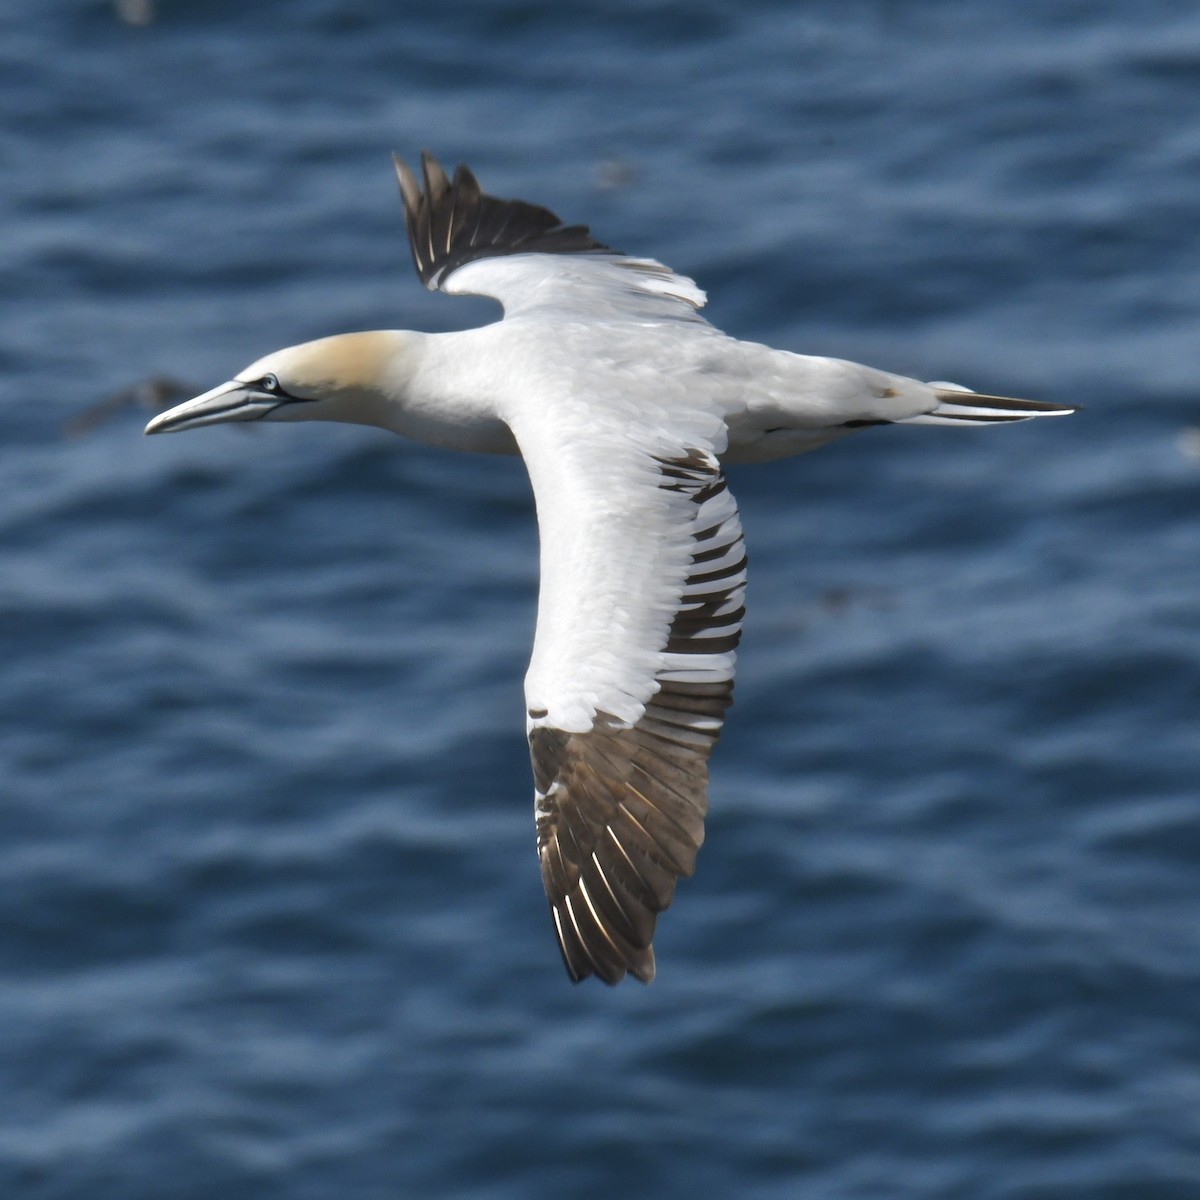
[960, 406]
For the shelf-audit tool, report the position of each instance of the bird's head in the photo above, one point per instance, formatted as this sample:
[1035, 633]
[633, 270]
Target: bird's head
[352, 377]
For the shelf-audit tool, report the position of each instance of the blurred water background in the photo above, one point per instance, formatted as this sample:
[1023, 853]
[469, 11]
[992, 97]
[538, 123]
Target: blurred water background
[270, 917]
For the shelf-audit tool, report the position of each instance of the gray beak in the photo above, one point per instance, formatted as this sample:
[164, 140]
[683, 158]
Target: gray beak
[232, 401]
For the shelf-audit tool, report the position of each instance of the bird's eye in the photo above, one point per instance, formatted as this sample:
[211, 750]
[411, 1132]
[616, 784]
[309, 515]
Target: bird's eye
[269, 383]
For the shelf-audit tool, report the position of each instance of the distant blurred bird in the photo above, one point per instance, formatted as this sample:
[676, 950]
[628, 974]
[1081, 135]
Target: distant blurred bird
[135, 12]
[624, 402]
[149, 393]
[1189, 442]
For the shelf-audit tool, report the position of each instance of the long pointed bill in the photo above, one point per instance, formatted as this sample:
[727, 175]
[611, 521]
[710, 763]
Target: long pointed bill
[232, 401]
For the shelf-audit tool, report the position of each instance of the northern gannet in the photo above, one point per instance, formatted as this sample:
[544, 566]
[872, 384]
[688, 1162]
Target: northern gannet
[624, 402]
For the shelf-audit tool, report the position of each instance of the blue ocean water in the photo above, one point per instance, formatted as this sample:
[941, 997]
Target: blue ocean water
[270, 916]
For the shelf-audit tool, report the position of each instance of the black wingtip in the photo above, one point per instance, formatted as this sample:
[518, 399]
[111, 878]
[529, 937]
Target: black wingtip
[436, 183]
[451, 222]
[410, 199]
[410, 192]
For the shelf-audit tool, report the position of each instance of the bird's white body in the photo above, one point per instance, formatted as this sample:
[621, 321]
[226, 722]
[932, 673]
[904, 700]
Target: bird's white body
[623, 402]
[466, 390]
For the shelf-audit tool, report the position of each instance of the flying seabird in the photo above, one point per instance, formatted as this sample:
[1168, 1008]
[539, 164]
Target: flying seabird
[624, 403]
[152, 392]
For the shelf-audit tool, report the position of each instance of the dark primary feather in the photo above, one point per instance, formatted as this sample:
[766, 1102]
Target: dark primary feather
[452, 222]
[624, 819]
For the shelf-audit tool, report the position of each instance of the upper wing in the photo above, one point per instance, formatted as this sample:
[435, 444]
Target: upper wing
[467, 243]
[639, 612]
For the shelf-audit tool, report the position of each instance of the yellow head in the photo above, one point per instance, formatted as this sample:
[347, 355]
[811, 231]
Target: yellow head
[351, 377]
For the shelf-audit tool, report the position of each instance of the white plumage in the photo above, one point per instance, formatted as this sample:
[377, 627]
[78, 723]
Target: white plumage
[623, 402]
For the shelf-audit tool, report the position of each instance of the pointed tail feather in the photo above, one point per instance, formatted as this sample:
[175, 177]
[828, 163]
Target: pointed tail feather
[958, 406]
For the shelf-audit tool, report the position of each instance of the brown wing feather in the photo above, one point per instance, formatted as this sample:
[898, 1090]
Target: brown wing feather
[452, 222]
